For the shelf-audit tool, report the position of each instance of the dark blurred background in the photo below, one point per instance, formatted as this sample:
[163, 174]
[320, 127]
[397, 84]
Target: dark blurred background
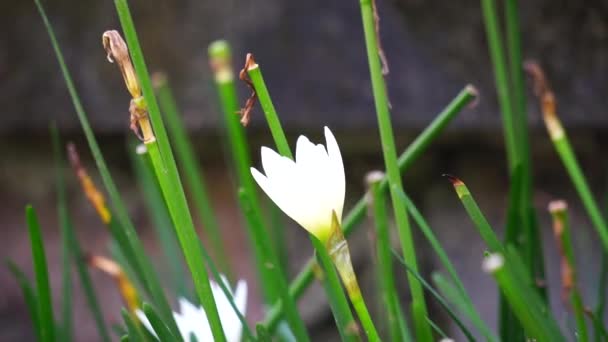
[313, 57]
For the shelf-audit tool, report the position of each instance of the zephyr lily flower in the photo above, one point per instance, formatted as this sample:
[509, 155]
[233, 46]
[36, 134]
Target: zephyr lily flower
[192, 320]
[309, 189]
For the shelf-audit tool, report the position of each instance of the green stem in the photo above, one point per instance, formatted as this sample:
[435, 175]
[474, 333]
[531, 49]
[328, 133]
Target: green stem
[219, 54]
[337, 248]
[502, 80]
[272, 269]
[193, 174]
[566, 153]
[386, 278]
[133, 243]
[305, 277]
[561, 230]
[43, 287]
[66, 250]
[168, 177]
[423, 330]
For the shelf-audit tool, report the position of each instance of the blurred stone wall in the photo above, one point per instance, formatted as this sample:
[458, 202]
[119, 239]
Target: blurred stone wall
[313, 57]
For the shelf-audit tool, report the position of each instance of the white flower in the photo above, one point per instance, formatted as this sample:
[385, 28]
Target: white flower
[309, 189]
[193, 320]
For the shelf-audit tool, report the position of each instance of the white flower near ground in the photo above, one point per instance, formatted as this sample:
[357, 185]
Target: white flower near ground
[309, 188]
[192, 319]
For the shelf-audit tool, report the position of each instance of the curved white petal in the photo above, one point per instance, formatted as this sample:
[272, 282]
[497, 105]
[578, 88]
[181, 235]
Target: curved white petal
[309, 189]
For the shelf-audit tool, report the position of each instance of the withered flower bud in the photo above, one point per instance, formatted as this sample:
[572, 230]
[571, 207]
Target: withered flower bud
[117, 51]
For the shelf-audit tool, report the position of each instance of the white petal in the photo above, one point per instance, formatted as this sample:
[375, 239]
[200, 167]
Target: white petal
[337, 172]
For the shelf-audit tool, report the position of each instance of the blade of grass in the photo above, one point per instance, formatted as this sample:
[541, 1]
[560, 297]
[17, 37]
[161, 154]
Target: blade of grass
[162, 331]
[160, 216]
[437, 297]
[132, 325]
[29, 295]
[220, 59]
[598, 311]
[43, 288]
[405, 161]
[169, 179]
[385, 274]
[280, 283]
[193, 173]
[462, 304]
[527, 305]
[464, 298]
[64, 224]
[562, 145]
[142, 262]
[561, 231]
[422, 329]
[143, 161]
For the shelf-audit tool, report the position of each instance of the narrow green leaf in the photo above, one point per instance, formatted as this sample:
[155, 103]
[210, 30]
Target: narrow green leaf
[465, 299]
[133, 327]
[161, 329]
[43, 288]
[437, 297]
[423, 333]
[66, 255]
[165, 234]
[386, 279]
[291, 313]
[193, 175]
[29, 295]
[151, 282]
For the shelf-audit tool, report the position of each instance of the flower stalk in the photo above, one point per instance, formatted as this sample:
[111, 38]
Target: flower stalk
[419, 309]
[168, 177]
[564, 150]
[570, 290]
[337, 246]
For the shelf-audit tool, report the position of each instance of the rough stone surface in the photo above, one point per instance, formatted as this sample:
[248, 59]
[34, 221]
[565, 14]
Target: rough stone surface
[312, 54]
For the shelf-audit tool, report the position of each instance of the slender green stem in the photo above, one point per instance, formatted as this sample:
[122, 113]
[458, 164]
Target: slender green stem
[43, 288]
[29, 295]
[147, 169]
[338, 250]
[598, 312]
[561, 230]
[347, 326]
[566, 153]
[423, 330]
[182, 221]
[193, 175]
[357, 213]
[445, 261]
[272, 118]
[437, 297]
[151, 281]
[161, 330]
[274, 271]
[158, 211]
[219, 53]
[168, 177]
[64, 224]
[526, 304]
[497, 54]
[386, 278]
